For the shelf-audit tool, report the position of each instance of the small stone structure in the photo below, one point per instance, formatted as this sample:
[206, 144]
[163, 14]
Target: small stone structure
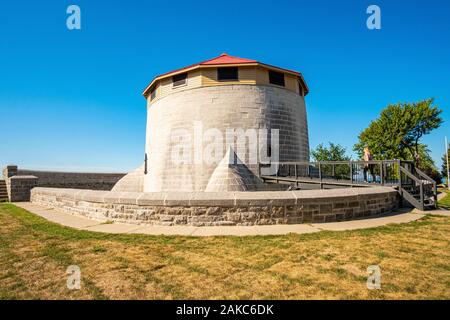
[19, 187]
[132, 182]
[233, 175]
[221, 208]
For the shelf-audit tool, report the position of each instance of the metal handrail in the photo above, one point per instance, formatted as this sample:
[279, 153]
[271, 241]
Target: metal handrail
[406, 194]
[333, 162]
[431, 181]
[424, 175]
[401, 173]
[410, 175]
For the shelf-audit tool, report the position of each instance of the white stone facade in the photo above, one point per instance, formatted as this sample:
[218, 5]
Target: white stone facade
[221, 107]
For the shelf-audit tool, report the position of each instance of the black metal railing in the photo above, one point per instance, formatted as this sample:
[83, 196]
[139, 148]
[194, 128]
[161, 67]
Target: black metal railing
[411, 188]
[417, 188]
[429, 186]
[335, 172]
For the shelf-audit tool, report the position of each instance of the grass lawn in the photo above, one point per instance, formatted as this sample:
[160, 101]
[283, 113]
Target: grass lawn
[34, 254]
[445, 202]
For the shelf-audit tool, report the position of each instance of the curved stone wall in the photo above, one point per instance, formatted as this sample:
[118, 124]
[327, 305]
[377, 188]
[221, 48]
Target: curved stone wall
[225, 208]
[220, 107]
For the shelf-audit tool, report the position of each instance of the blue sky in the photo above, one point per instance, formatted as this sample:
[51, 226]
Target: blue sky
[71, 100]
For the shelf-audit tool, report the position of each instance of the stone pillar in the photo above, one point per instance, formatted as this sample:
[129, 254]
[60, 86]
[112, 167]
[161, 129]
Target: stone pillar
[9, 171]
[19, 187]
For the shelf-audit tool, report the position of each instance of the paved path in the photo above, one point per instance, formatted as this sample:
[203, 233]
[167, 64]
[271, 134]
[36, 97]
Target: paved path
[82, 223]
[439, 212]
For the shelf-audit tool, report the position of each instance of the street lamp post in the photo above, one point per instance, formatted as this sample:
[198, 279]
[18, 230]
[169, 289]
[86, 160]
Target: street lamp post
[448, 169]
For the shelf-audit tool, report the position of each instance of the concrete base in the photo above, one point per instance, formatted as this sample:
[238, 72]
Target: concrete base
[221, 208]
[82, 223]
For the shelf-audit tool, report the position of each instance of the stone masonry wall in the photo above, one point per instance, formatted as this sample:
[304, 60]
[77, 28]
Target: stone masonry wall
[227, 208]
[76, 180]
[19, 182]
[19, 187]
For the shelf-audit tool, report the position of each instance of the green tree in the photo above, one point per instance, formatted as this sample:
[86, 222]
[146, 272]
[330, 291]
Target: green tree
[427, 164]
[397, 132]
[335, 152]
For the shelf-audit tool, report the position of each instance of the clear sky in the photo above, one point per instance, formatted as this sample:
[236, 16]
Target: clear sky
[71, 100]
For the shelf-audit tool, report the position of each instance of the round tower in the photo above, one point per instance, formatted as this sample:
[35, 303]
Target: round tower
[193, 113]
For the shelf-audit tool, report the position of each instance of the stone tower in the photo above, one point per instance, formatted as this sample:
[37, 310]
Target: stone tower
[188, 105]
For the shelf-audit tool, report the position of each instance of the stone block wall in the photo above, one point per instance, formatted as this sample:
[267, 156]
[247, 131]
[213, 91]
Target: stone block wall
[76, 180]
[20, 181]
[225, 208]
[19, 187]
[9, 171]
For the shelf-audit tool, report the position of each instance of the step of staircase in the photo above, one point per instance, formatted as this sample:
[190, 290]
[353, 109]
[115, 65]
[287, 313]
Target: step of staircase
[3, 191]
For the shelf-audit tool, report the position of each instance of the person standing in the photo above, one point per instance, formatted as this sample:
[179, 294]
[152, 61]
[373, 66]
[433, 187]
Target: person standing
[367, 166]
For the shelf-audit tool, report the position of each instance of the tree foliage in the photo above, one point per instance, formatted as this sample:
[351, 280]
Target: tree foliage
[427, 163]
[397, 132]
[335, 152]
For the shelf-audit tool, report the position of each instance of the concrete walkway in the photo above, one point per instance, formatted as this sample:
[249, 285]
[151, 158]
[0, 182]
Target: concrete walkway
[82, 223]
[439, 212]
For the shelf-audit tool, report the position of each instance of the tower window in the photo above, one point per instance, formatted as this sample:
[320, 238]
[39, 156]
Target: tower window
[179, 79]
[227, 74]
[276, 78]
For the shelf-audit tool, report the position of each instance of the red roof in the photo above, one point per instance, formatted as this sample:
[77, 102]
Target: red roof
[226, 59]
[221, 60]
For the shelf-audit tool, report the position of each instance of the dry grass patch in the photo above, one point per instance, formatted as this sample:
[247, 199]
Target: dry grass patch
[34, 254]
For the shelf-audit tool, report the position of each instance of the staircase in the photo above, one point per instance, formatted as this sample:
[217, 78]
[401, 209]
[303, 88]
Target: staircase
[418, 189]
[3, 191]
